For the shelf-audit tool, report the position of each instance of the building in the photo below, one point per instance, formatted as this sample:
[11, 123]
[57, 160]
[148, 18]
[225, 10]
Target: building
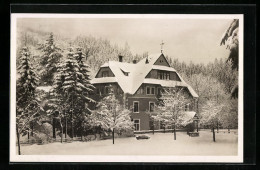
[137, 85]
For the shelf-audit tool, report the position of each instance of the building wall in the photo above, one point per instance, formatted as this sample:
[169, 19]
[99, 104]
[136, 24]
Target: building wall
[161, 61]
[143, 99]
[174, 76]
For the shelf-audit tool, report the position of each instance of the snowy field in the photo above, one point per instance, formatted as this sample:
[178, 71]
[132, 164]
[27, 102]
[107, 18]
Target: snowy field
[158, 144]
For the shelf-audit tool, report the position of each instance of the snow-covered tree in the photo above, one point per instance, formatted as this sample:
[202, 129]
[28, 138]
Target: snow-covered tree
[171, 108]
[27, 105]
[231, 39]
[211, 114]
[229, 117]
[50, 59]
[73, 88]
[111, 115]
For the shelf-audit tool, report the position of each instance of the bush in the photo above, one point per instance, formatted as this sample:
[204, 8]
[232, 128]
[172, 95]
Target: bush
[42, 138]
[126, 133]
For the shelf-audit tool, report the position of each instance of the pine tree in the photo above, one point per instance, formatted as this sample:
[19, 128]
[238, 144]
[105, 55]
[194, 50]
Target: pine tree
[50, 59]
[28, 106]
[231, 38]
[72, 84]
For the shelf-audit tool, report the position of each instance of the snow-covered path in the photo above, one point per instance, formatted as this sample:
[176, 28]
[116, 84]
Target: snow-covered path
[158, 144]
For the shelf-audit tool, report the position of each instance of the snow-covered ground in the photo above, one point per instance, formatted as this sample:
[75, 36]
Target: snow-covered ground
[158, 144]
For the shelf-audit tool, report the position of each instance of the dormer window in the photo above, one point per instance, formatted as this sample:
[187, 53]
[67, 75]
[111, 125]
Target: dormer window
[125, 73]
[105, 74]
[163, 75]
[187, 107]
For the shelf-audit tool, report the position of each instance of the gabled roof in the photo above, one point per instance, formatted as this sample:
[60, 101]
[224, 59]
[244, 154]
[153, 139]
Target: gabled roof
[137, 73]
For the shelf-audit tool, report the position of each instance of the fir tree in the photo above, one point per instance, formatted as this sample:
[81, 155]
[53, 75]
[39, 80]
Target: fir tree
[28, 107]
[72, 84]
[231, 39]
[50, 59]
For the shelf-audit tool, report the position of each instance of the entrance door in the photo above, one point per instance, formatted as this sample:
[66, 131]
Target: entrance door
[137, 124]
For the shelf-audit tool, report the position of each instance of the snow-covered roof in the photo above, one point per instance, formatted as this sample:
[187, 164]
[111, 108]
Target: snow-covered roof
[190, 114]
[137, 73]
[104, 80]
[44, 88]
[164, 83]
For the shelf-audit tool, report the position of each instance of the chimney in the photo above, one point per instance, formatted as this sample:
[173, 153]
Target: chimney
[146, 61]
[134, 61]
[120, 58]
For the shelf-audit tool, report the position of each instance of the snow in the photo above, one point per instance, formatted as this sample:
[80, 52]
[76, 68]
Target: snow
[44, 88]
[138, 71]
[190, 114]
[158, 144]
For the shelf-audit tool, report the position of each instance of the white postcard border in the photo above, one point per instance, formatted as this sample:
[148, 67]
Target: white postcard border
[111, 158]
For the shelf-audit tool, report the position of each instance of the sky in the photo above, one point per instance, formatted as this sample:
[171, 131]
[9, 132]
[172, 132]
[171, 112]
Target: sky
[196, 40]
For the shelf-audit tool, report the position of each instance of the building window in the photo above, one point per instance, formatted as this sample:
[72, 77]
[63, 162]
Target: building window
[102, 90]
[107, 89]
[158, 91]
[140, 90]
[150, 90]
[136, 107]
[105, 74]
[118, 90]
[164, 75]
[137, 124]
[187, 106]
[98, 91]
[168, 76]
[151, 106]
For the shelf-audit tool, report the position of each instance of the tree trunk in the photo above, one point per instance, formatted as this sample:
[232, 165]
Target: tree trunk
[18, 140]
[174, 131]
[228, 130]
[81, 134]
[53, 128]
[153, 129]
[213, 131]
[28, 135]
[217, 127]
[32, 129]
[66, 128]
[113, 134]
[163, 129]
[72, 130]
[61, 131]
[197, 126]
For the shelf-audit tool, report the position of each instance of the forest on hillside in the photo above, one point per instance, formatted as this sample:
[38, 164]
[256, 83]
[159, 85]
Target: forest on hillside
[47, 59]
